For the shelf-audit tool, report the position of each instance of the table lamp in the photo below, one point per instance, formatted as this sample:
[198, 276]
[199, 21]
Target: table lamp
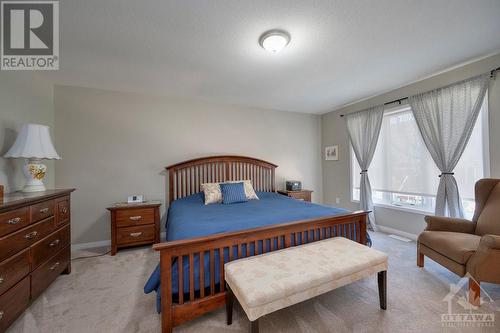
[34, 144]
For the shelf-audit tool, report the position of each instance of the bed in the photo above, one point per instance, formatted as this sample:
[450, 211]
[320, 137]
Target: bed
[201, 238]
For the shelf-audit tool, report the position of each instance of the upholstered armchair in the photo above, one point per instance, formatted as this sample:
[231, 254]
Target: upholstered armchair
[465, 246]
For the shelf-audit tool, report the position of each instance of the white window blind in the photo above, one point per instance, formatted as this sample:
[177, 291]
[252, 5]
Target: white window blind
[403, 173]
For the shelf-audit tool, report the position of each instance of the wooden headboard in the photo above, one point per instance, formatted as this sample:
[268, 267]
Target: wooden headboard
[185, 178]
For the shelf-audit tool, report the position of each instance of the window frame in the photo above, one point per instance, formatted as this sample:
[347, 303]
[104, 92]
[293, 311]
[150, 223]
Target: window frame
[484, 118]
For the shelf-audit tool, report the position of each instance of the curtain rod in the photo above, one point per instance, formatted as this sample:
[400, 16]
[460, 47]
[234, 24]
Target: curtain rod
[492, 74]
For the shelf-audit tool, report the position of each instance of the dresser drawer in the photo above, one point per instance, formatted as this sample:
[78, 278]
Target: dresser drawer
[42, 210]
[14, 269]
[62, 211]
[14, 220]
[49, 246]
[135, 235]
[132, 217]
[13, 303]
[301, 196]
[23, 238]
[46, 273]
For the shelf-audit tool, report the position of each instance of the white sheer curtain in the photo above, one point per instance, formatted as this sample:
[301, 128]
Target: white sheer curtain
[445, 117]
[363, 128]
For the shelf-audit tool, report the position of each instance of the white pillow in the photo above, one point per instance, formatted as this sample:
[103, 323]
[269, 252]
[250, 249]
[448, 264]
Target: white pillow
[249, 191]
[213, 193]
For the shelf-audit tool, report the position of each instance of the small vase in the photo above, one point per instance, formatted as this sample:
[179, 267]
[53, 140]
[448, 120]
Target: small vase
[34, 170]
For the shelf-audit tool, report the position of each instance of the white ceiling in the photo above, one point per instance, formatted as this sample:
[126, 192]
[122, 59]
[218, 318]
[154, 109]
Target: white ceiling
[340, 50]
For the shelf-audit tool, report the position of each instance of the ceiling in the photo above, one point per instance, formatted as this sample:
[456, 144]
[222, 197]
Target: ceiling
[340, 50]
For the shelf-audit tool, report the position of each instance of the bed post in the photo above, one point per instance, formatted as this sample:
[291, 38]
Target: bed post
[362, 222]
[166, 292]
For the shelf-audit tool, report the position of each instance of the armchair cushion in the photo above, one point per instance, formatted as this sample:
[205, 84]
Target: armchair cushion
[439, 223]
[456, 246]
[489, 220]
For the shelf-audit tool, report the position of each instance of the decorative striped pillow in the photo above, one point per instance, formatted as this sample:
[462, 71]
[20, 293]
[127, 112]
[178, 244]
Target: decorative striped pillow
[233, 193]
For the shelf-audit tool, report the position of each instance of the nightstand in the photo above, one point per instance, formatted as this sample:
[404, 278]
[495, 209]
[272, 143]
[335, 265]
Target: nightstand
[299, 195]
[134, 224]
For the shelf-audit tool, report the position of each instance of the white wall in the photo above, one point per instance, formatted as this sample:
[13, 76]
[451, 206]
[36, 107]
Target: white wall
[24, 98]
[336, 181]
[115, 144]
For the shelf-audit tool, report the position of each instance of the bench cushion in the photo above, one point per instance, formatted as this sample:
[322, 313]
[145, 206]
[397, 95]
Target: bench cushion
[278, 279]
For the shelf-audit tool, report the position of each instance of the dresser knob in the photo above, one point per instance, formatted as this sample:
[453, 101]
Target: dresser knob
[135, 218]
[54, 266]
[136, 234]
[54, 243]
[15, 220]
[1, 279]
[31, 235]
[44, 210]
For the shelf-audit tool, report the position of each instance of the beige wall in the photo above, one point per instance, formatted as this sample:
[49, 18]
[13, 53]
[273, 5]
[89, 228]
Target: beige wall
[336, 174]
[116, 144]
[25, 98]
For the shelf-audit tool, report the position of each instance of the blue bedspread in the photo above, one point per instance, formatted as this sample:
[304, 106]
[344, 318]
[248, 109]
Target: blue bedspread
[189, 218]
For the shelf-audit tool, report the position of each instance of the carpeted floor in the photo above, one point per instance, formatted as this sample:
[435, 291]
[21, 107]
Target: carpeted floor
[104, 294]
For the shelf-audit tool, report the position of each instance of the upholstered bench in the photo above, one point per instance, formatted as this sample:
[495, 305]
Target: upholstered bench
[275, 280]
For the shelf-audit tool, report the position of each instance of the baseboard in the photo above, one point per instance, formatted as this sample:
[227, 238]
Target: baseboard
[389, 230]
[91, 245]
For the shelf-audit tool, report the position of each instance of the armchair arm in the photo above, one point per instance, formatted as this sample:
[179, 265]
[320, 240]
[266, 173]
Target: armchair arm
[484, 265]
[491, 242]
[439, 223]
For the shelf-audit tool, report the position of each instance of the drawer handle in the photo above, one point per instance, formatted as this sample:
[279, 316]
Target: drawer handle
[54, 266]
[31, 235]
[1, 315]
[44, 210]
[1, 279]
[64, 210]
[15, 220]
[135, 218]
[136, 234]
[54, 243]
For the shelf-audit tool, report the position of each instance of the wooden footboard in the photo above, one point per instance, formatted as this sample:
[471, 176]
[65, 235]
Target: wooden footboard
[180, 307]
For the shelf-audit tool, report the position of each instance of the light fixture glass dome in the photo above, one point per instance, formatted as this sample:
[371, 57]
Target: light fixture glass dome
[275, 40]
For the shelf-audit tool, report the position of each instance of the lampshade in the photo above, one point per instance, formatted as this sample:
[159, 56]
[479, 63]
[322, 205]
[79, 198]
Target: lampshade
[33, 141]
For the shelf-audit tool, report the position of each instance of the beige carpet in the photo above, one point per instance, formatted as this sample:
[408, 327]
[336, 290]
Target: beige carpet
[105, 295]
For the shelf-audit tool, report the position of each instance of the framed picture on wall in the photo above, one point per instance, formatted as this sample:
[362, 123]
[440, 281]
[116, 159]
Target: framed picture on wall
[332, 153]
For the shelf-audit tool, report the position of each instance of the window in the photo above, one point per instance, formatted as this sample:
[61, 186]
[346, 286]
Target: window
[403, 173]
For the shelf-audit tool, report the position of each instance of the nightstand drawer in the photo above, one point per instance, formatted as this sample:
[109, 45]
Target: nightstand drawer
[135, 235]
[133, 217]
[301, 196]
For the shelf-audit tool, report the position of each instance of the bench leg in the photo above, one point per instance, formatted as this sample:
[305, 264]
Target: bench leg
[255, 326]
[229, 305]
[382, 289]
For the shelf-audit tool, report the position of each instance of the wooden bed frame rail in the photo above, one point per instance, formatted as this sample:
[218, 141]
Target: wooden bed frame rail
[180, 307]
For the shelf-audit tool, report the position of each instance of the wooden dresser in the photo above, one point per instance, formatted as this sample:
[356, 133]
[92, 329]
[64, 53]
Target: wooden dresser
[34, 247]
[134, 224]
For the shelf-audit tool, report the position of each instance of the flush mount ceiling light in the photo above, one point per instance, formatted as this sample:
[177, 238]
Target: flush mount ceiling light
[274, 40]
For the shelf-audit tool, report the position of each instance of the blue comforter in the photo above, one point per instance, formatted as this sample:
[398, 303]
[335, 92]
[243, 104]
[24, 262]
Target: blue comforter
[189, 217]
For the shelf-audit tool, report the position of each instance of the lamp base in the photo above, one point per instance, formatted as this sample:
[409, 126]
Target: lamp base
[34, 171]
